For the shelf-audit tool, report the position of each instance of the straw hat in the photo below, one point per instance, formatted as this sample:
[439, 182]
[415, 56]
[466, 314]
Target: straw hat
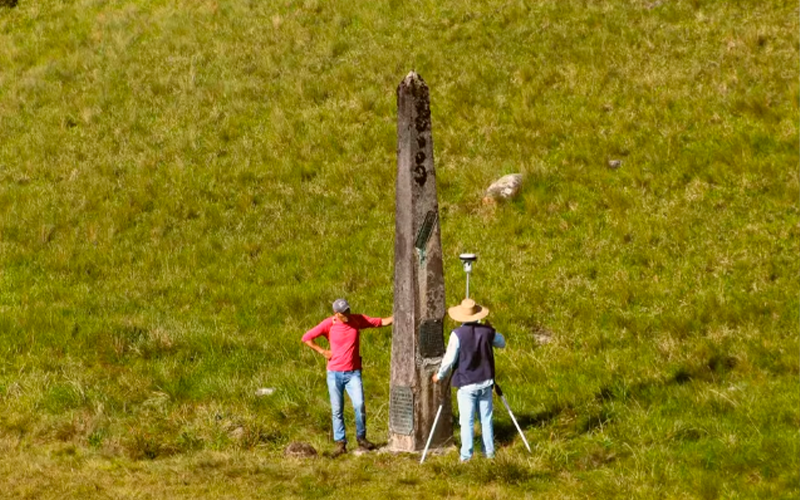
[468, 311]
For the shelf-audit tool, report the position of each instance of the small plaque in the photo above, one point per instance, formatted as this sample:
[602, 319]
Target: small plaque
[401, 410]
[425, 230]
[431, 338]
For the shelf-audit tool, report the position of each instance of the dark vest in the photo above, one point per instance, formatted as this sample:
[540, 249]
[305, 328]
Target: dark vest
[475, 354]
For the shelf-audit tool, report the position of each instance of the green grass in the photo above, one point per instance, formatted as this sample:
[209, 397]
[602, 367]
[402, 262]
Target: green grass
[186, 186]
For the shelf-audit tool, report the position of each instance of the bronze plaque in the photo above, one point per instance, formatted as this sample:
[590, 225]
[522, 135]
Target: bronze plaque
[431, 338]
[425, 230]
[401, 410]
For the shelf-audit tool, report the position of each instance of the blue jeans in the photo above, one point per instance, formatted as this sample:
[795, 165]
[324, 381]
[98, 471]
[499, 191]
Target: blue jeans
[469, 402]
[350, 381]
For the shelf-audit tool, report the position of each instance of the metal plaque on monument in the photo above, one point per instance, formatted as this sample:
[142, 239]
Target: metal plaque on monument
[419, 301]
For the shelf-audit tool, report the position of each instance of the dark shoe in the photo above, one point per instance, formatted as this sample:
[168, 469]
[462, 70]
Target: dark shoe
[341, 449]
[366, 445]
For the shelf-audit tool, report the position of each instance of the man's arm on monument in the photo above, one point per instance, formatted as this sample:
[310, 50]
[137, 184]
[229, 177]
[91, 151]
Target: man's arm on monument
[361, 321]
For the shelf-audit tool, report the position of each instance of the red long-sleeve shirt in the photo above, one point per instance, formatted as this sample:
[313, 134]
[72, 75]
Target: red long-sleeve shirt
[343, 339]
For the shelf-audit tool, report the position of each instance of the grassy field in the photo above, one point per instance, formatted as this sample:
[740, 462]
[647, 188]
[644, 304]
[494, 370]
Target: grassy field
[186, 185]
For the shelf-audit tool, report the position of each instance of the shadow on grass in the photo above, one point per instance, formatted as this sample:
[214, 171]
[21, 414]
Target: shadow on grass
[711, 368]
[505, 432]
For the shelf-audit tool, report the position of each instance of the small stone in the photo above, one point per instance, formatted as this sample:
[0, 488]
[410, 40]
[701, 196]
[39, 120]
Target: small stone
[541, 339]
[299, 450]
[237, 433]
[504, 188]
[265, 391]
[614, 164]
[542, 335]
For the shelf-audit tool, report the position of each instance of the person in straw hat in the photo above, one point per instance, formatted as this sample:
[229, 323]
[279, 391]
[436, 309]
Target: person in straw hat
[470, 351]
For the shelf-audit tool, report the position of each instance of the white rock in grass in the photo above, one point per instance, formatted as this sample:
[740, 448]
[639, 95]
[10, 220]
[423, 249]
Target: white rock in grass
[265, 391]
[504, 188]
[542, 335]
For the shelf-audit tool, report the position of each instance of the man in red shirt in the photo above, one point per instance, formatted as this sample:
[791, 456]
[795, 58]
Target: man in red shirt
[344, 367]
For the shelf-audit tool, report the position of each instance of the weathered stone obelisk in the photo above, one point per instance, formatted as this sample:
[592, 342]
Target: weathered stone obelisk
[419, 301]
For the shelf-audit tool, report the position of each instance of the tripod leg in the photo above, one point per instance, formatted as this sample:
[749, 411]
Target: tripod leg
[433, 429]
[516, 424]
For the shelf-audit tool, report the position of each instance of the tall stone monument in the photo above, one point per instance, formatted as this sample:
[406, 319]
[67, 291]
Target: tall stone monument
[419, 301]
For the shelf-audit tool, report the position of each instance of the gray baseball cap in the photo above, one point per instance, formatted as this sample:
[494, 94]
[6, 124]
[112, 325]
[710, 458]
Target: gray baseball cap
[340, 306]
